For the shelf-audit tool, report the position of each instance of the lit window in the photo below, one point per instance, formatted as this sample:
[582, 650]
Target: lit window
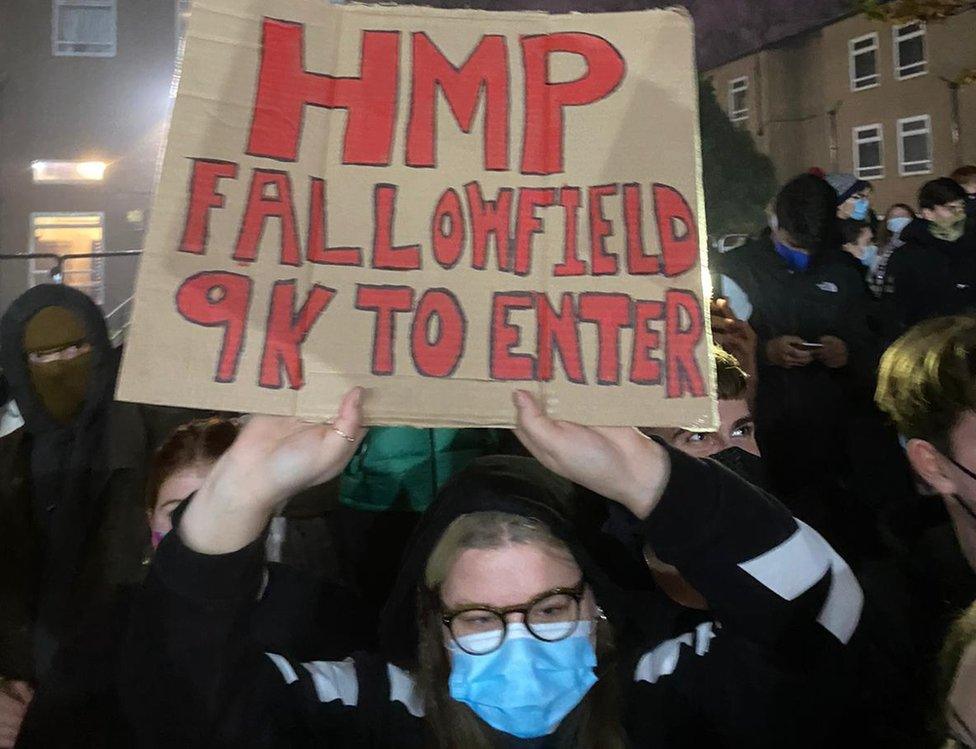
[68, 172]
[869, 152]
[65, 236]
[909, 44]
[83, 28]
[863, 62]
[915, 145]
[738, 99]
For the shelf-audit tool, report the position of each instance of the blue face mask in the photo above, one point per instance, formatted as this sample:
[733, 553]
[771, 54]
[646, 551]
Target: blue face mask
[870, 256]
[897, 224]
[527, 686]
[860, 211]
[795, 260]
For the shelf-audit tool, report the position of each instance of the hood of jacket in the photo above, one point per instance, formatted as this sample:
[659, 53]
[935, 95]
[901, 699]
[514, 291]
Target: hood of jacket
[514, 485]
[13, 360]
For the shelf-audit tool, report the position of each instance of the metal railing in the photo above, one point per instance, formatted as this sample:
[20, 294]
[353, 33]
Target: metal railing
[116, 319]
[57, 272]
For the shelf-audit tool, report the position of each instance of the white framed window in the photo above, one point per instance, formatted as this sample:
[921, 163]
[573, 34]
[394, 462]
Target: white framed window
[869, 151]
[83, 28]
[908, 43]
[864, 62]
[739, 99]
[915, 145]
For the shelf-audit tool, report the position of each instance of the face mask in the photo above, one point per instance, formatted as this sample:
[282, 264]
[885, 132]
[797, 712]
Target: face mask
[774, 222]
[896, 225]
[948, 232]
[795, 260]
[860, 210]
[62, 385]
[744, 464]
[526, 687]
[870, 256]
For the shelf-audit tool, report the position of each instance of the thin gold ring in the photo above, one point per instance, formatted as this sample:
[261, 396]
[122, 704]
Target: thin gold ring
[346, 437]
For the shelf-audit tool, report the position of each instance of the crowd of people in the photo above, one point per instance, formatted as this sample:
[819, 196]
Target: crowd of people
[802, 576]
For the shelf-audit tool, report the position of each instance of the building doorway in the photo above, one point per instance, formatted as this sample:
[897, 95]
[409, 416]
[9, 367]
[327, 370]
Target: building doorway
[67, 234]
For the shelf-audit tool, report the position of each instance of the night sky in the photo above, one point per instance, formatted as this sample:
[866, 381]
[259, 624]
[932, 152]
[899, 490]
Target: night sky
[726, 28]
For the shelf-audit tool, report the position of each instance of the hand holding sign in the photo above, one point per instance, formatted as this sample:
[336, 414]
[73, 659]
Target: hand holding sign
[618, 463]
[272, 459]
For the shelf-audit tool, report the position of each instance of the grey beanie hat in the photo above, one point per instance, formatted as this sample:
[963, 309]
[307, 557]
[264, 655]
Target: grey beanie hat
[845, 185]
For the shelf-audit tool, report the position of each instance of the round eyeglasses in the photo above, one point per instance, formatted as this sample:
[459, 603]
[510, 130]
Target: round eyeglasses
[550, 617]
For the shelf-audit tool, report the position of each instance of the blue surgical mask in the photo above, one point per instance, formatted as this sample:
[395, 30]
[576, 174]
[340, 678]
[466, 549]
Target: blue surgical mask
[795, 260]
[860, 211]
[870, 256]
[527, 686]
[896, 225]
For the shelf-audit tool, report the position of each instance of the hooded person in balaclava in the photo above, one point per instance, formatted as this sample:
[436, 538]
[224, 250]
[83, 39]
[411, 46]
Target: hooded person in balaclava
[59, 475]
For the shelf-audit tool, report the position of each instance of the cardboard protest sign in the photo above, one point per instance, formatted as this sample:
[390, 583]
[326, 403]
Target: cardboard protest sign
[441, 206]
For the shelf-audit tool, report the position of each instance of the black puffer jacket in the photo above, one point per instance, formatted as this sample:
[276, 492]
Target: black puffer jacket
[801, 412]
[933, 277]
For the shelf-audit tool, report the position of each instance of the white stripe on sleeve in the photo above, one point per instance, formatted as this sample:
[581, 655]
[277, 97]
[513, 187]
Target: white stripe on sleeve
[282, 664]
[403, 689]
[335, 680]
[793, 567]
[663, 659]
[799, 563]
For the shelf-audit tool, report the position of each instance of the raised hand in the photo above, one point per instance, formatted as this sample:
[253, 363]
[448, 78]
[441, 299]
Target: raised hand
[734, 335]
[272, 459]
[618, 463]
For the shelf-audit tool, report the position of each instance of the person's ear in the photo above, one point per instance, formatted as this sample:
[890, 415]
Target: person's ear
[928, 214]
[931, 466]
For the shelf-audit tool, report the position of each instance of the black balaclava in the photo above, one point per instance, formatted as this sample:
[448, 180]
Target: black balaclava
[60, 384]
[746, 465]
[65, 410]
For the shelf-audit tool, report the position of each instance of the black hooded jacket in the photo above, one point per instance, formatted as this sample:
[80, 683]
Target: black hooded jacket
[787, 611]
[72, 522]
[933, 277]
[60, 458]
[801, 411]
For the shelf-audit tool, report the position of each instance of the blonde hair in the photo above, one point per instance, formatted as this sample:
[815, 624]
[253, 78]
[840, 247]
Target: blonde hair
[927, 378]
[487, 530]
[454, 725]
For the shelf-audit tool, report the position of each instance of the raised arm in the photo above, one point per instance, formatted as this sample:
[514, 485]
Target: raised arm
[191, 673]
[762, 572]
